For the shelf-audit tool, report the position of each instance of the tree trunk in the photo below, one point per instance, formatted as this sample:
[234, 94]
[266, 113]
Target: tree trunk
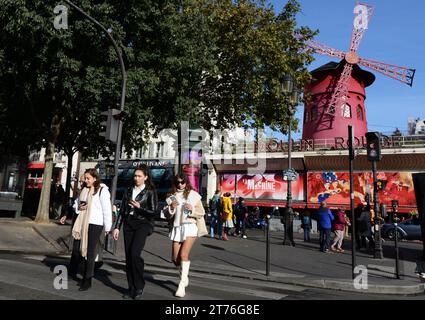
[44, 203]
[69, 154]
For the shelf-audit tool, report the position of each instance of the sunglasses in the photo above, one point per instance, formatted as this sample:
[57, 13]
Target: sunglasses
[180, 182]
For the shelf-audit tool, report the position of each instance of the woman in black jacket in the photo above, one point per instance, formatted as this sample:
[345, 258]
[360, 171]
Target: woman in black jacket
[138, 209]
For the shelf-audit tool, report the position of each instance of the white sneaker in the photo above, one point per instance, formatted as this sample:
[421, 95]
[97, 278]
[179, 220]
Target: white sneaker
[244, 236]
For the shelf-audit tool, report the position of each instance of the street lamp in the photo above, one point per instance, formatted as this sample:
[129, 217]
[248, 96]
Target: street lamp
[292, 95]
[108, 32]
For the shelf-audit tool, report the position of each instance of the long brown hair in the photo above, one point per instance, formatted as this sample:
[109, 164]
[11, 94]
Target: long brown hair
[93, 172]
[144, 168]
[187, 188]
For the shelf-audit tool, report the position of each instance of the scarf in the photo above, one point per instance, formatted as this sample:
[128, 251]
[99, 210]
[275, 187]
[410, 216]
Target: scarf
[81, 226]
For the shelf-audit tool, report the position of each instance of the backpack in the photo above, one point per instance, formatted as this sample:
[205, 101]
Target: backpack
[215, 205]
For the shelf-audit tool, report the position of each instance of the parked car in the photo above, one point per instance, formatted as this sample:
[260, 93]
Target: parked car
[409, 229]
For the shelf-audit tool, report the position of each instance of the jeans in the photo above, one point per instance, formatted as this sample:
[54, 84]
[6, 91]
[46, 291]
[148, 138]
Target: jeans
[216, 225]
[240, 225]
[307, 234]
[325, 238]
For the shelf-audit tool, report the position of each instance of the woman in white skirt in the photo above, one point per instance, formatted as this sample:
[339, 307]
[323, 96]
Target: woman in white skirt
[184, 207]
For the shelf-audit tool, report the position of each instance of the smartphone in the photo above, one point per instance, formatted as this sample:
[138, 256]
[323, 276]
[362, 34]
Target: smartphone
[171, 199]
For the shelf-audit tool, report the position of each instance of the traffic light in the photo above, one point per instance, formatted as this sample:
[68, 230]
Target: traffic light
[383, 210]
[394, 204]
[381, 184]
[111, 125]
[373, 141]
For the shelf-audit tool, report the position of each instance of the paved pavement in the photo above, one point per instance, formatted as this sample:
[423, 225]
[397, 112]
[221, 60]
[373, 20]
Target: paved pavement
[240, 260]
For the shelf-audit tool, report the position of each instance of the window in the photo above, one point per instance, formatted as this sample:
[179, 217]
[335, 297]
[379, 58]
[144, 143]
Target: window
[346, 110]
[359, 113]
[314, 113]
[159, 150]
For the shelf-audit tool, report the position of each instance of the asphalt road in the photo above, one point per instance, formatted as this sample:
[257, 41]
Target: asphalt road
[31, 277]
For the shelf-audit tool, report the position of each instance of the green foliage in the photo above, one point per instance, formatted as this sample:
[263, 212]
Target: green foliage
[214, 63]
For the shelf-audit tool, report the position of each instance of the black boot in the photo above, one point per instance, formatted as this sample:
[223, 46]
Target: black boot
[128, 295]
[138, 294]
[85, 284]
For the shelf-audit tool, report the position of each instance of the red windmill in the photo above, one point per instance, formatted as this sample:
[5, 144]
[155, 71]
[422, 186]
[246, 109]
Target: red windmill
[338, 90]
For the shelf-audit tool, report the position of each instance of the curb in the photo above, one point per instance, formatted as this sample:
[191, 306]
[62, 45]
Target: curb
[328, 284]
[338, 285]
[48, 239]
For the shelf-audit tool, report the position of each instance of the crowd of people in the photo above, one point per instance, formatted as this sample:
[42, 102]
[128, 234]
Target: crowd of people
[93, 219]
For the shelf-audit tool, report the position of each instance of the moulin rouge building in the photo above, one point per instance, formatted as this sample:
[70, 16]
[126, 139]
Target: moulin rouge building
[321, 157]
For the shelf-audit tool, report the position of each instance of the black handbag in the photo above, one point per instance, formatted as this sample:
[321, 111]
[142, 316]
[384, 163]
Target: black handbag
[110, 244]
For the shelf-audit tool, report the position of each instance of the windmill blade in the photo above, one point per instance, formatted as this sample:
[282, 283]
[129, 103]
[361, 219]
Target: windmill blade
[363, 14]
[401, 74]
[341, 91]
[325, 50]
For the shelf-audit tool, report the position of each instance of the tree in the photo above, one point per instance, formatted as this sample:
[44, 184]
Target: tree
[49, 78]
[216, 64]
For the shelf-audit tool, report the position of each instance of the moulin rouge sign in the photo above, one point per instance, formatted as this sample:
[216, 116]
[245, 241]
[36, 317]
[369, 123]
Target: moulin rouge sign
[338, 143]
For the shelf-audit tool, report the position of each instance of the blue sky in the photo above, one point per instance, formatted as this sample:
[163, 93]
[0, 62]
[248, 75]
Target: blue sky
[396, 36]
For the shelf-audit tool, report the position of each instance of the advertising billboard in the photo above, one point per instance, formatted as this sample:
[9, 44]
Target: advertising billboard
[261, 186]
[334, 187]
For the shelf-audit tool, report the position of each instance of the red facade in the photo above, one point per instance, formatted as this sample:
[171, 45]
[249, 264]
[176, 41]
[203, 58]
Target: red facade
[318, 124]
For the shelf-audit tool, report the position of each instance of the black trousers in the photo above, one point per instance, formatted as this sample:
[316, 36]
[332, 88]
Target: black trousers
[94, 235]
[135, 234]
[75, 255]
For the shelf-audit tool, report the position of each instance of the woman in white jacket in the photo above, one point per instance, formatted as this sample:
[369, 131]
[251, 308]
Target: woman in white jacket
[185, 208]
[94, 215]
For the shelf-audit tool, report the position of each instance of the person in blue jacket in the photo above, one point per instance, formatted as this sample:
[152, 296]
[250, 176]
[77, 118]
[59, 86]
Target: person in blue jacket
[324, 224]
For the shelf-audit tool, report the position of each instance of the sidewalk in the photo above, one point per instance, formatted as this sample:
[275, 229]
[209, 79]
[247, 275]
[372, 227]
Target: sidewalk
[303, 265]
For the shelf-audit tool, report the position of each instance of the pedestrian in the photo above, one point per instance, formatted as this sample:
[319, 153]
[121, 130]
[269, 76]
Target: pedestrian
[95, 215]
[216, 225]
[227, 215]
[306, 224]
[187, 213]
[241, 213]
[58, 200]
[288, 221]
[324, 223]
[339, 226]
[364, 229]
[73, 214]
[137, 213]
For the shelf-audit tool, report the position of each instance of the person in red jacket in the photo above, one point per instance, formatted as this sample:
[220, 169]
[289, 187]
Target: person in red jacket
[340, 223]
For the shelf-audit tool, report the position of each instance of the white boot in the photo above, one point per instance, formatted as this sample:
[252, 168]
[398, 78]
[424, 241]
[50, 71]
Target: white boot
[184, 279]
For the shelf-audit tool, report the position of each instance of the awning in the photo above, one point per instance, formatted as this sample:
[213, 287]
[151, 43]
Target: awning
[35, 165]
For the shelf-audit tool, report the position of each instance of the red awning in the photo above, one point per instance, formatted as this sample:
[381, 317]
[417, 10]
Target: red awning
[35, 165]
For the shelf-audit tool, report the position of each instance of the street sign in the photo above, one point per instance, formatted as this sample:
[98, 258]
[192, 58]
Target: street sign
[290, 174]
